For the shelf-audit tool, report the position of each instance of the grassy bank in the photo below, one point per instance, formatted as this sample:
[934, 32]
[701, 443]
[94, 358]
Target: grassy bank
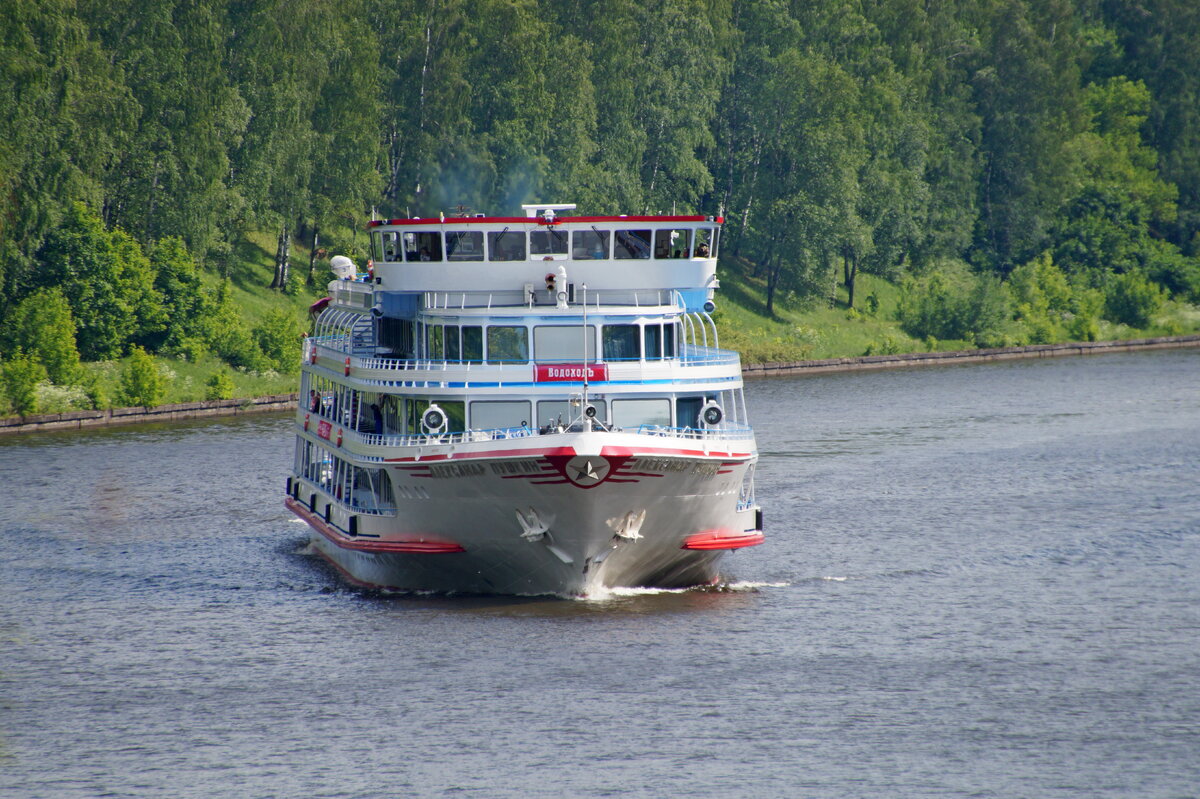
[820, 328]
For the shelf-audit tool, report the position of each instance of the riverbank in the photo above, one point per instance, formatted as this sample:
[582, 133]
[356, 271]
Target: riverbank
[286, 402]
[915, 359]
[161, 413]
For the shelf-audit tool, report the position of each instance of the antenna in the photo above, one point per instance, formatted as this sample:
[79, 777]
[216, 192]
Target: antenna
[588, 418]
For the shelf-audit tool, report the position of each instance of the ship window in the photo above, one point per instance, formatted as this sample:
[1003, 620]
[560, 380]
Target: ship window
[456, 412]
[499, 415]
[376, 245]
[453, 348]
[396, 335]
[563, 342]
[634, 412]
[426, 246]
[589, 244]
[621, 343]
[391, 246]
[507, 344]
[507, 245]
[673, 243]
[659, 341]
[551, 411]
[548, 242]
[472, 344]
[632, 244]
[705, 242]
[434, 342]
[464, 245]
[687, 411]
[716, 238]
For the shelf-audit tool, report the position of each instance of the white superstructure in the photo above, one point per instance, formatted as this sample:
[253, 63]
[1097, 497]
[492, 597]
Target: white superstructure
[526, 405]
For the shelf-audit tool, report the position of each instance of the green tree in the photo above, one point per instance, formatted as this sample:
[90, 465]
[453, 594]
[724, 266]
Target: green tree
[141, 383]
[177, 281]
[79, 256]
[1133, 300]
[22, 374]
[43, 327]
[278, 337]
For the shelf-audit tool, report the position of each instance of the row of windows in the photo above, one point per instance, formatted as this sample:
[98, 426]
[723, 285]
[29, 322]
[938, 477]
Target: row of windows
[384, 414]
[363, 489]
[652, 341]
[551, 343]
[519, 245]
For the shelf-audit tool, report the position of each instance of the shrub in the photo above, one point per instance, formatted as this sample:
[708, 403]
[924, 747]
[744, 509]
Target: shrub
[141, 383]
[219, 386]
[278, 337]
[1133, 300]
[945, 305]
[22, 374]
[42, 326]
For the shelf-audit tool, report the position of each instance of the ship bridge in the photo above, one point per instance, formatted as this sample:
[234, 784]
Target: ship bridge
[547, 257]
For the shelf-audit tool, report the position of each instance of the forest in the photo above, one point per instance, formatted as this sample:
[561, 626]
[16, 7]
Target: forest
[1008, 171]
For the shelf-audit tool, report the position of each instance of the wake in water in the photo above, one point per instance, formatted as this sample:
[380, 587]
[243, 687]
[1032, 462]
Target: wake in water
[605, 594]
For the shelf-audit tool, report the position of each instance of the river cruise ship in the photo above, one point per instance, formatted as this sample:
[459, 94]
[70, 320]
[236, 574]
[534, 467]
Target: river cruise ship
[525, 405]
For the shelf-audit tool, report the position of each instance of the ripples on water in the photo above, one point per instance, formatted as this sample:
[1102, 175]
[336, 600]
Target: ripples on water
[978, 581]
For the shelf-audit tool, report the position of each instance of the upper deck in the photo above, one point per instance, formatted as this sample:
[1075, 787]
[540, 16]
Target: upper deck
[614, 256]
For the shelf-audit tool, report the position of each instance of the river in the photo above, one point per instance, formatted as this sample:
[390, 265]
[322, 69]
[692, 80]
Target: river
[978, 581]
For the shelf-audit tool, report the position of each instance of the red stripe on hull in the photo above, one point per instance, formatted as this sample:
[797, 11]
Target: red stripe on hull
[717, 539]
[414, 546]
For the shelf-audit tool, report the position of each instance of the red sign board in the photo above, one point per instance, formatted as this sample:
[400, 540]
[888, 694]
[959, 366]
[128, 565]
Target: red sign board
[324, 428]
[570, 372]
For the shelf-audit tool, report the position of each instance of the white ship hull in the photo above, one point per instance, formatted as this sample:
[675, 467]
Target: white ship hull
[563, 514]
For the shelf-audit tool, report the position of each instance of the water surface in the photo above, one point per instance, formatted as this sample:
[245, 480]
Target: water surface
[979, 581]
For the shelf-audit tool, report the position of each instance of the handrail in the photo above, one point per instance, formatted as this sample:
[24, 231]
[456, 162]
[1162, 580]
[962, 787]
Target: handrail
[689, 355]
[728, 432]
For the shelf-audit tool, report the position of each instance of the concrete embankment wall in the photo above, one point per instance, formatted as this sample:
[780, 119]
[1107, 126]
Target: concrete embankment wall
[287, 402]
[867, 362]
[161, 413]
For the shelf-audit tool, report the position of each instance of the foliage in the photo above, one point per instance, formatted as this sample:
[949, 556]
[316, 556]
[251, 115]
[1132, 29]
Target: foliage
[219, 386]
[278, 337]
[22, 374]
[42, 325]
[141, 383]
[140, 141]
[1133, 300]
[953, 304]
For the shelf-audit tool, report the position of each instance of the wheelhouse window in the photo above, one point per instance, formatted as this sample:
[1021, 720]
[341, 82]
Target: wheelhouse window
[620, 343]
[636, 412]
[673, 243]
[507, 344]
[464, 245]
[390, 241]
[506, 245]
[631, 244]
[706, 242]
[548, 242]
[423, 246]
[589, 244]
[552, 343]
